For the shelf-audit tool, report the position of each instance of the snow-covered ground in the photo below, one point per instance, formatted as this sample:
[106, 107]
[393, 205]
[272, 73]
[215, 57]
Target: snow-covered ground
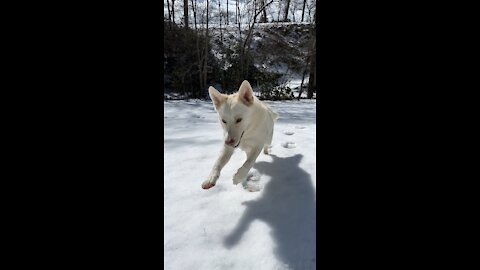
[228, 226]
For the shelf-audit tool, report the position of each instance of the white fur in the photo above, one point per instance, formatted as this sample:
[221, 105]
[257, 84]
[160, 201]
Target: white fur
[256, 126]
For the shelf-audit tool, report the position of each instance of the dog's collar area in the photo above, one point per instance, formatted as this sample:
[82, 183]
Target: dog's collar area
[240, 139]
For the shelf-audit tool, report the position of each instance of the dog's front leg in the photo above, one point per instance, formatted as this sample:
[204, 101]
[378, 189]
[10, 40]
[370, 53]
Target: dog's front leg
[219, 164]
[242, 173]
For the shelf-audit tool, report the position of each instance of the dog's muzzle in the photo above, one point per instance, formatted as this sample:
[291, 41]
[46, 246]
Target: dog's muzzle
[239, 140]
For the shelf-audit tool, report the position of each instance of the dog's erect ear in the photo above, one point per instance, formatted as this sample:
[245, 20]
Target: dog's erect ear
[217, 97]
[245, 93]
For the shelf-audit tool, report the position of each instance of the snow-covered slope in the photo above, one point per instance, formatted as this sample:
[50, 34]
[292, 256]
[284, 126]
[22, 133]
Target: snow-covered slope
[279, 48]
[228, 226]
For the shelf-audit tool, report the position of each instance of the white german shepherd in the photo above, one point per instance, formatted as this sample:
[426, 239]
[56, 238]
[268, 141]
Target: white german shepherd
[247, 123]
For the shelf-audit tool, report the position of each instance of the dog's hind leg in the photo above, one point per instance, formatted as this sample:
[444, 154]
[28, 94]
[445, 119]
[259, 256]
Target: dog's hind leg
[242, 173]
[265, 149]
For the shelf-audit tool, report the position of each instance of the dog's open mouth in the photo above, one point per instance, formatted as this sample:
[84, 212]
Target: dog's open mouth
[239, 140]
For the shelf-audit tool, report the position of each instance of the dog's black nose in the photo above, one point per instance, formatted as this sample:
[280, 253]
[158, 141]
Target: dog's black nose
[230, 141]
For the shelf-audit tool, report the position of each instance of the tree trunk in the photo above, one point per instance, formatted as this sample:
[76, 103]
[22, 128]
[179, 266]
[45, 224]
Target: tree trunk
[250, 30]
[194, 9]
[246, 43]
[173, 11]
[200, 65]
[169, 15]
[227, 12]
[185, 12]
[254, 10]
[301, 84]
[278, 15]
[263, 19]
[293, 12]
[312, 81]
[286, 11]
[205, 69]
[303, 9]
[239, 21]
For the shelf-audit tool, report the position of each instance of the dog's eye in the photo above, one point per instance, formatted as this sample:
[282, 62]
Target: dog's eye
[239, 120]
[224, 121]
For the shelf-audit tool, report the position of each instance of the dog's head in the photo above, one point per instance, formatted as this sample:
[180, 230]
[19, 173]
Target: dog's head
[234, 111]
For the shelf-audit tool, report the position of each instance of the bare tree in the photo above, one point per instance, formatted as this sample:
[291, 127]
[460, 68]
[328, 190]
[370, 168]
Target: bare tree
[303, 9]
[293, 8]
[239, 19]
[287, 6]
[308, 63]
[250, 29]
[220, 17]
[185, 12]
[173, 11]
[194, 9]
[169, 15]
[279, 10]
[312, 80]
[200, 55]
[205, 67]
[313, 72]
[263, 19]
[311, 7]
[244, 48]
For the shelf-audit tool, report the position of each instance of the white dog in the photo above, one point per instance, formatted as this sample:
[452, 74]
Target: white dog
[247, 123]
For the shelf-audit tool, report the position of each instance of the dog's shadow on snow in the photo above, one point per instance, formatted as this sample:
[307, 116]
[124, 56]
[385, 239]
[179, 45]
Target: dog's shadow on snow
[287, 206]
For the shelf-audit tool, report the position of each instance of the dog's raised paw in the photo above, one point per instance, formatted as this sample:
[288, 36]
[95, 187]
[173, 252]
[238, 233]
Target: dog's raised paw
[239, 177]
[207, 185]
[237, 180]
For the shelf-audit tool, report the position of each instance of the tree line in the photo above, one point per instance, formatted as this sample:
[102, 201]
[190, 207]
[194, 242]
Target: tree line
[188, 61]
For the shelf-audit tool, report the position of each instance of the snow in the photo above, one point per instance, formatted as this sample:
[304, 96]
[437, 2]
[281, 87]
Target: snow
[228, 226]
